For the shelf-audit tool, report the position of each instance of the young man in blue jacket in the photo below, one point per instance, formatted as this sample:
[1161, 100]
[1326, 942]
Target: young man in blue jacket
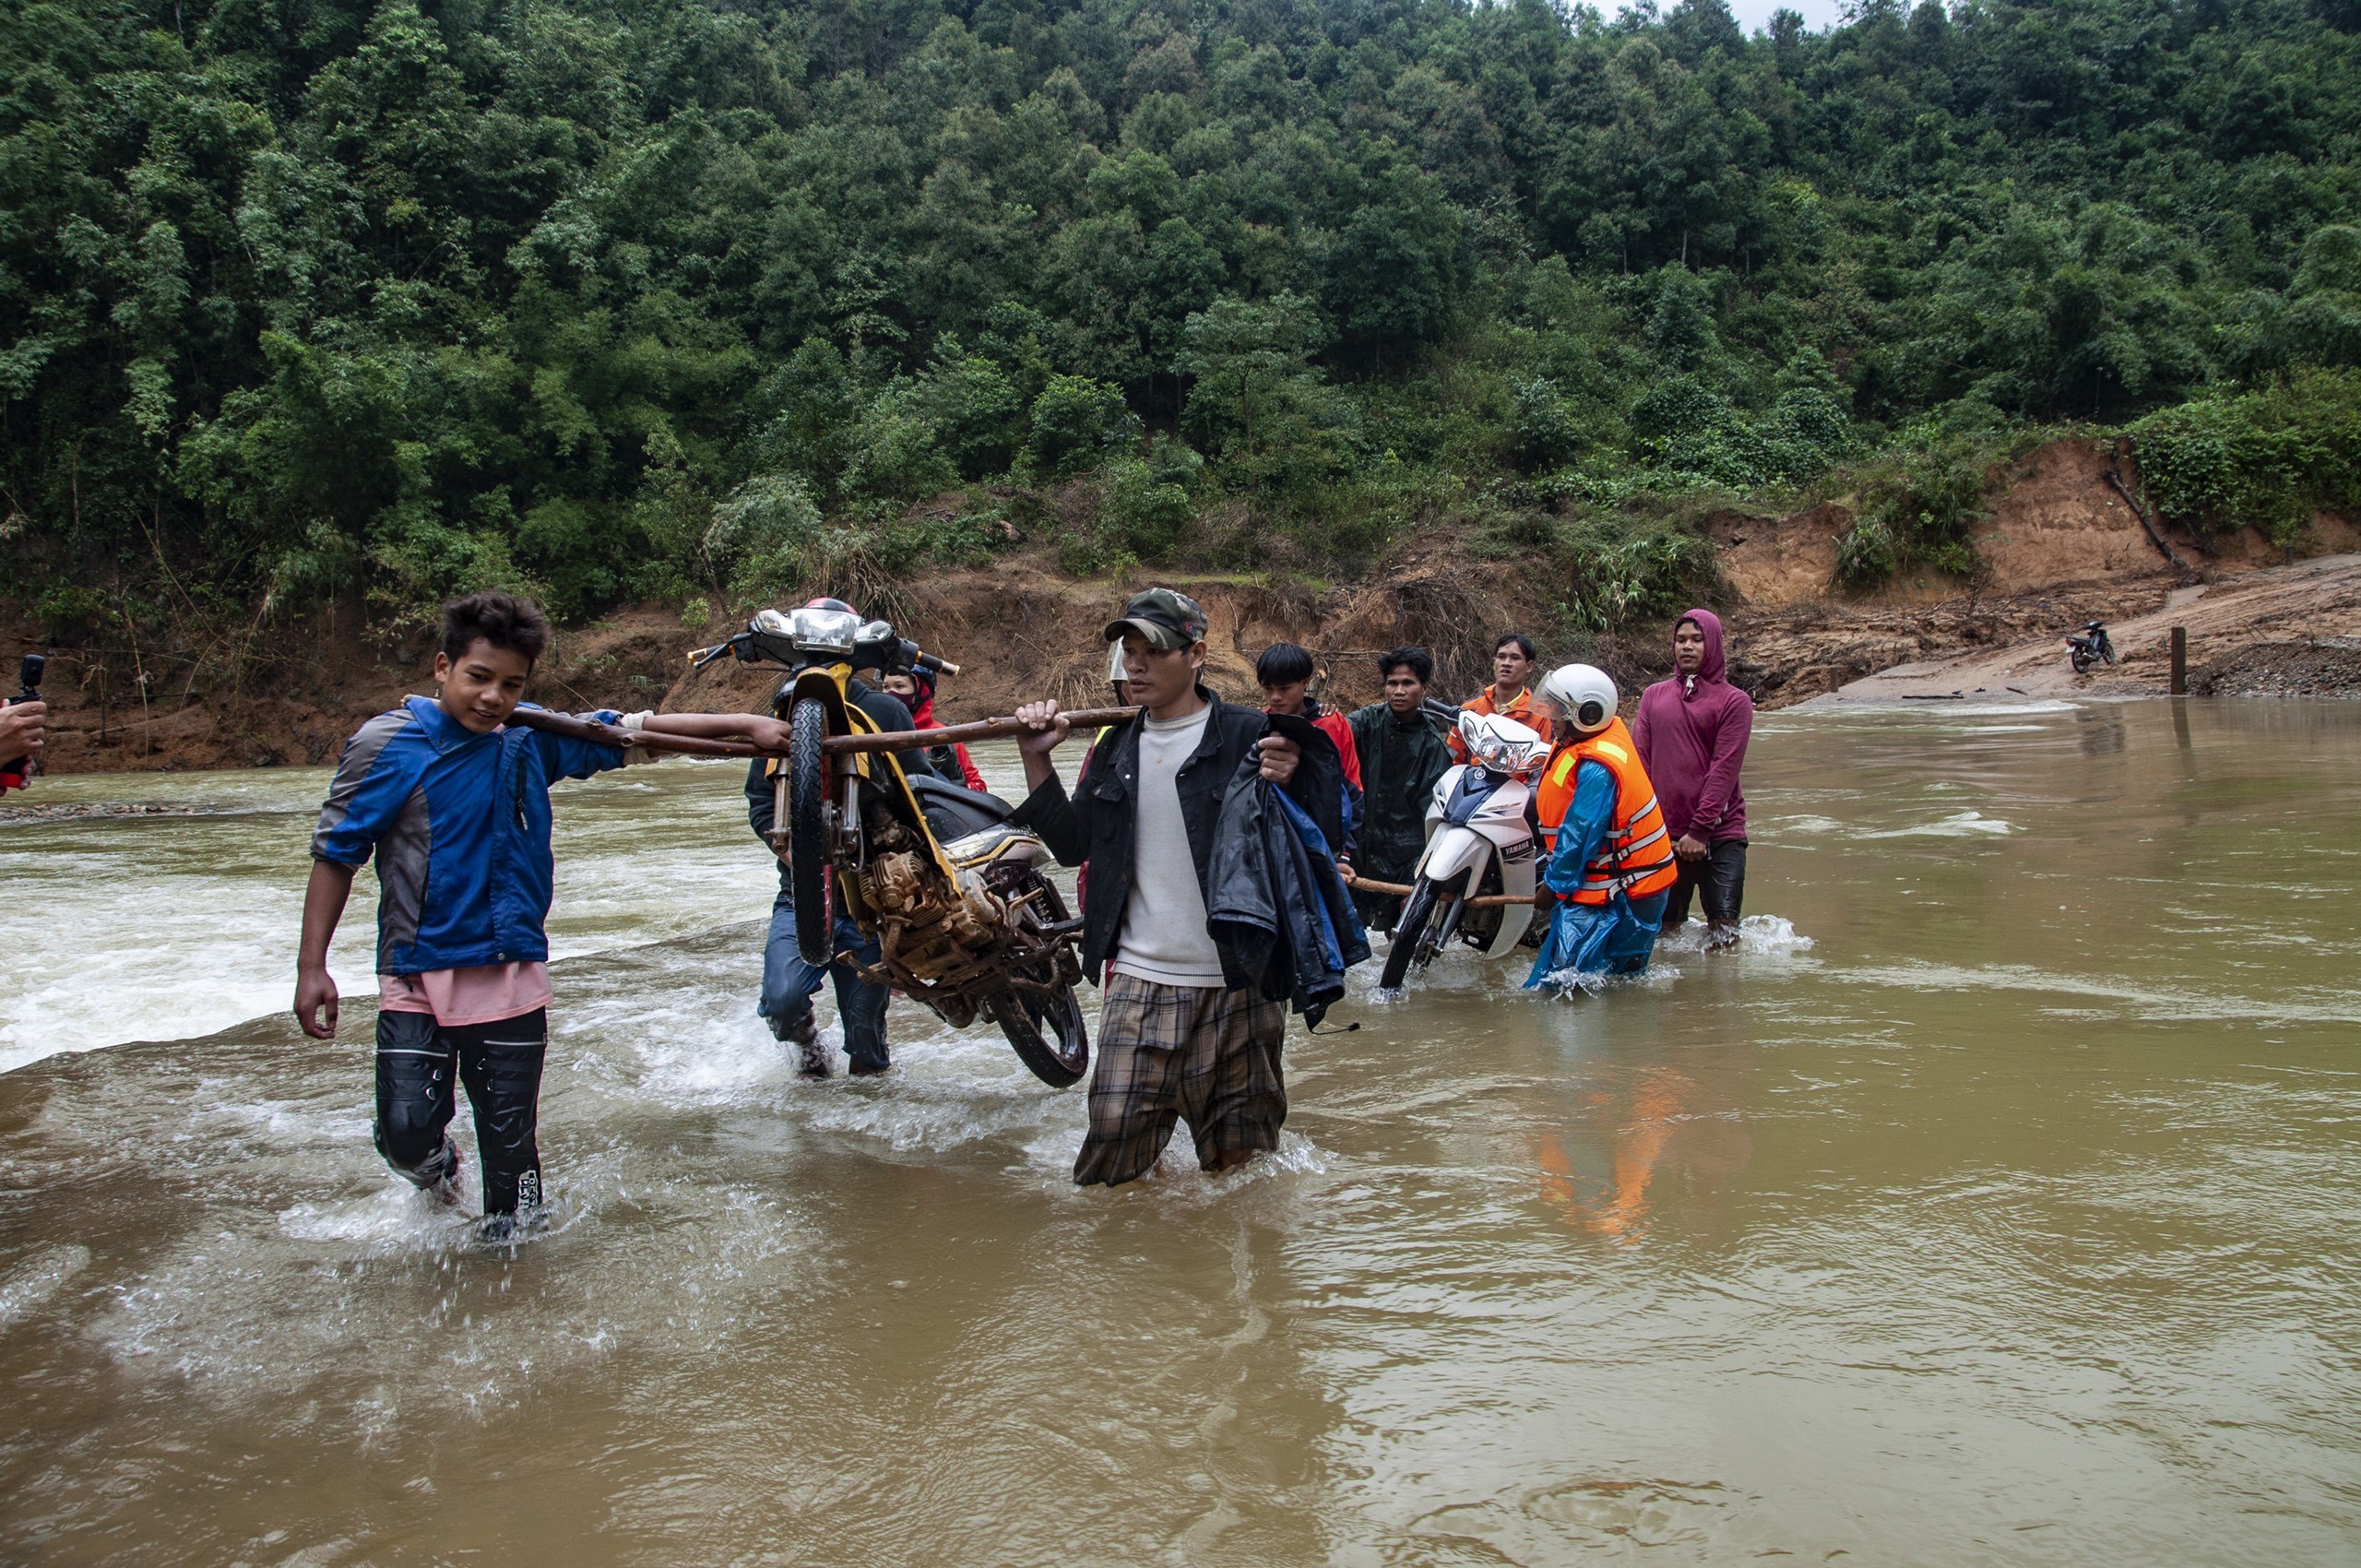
[455, 805]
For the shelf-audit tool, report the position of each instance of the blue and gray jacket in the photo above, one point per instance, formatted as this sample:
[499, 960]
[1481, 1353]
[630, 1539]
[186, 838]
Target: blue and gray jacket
[460, 825]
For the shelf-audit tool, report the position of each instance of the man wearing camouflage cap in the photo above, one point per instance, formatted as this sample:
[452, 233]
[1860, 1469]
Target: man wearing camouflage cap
[1183, 1032]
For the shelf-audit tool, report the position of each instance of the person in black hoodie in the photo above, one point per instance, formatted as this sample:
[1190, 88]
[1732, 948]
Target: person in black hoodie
[1186, 1031]
[788, 982]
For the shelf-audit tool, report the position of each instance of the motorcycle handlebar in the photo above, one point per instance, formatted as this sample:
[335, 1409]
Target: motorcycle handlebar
[700, 657]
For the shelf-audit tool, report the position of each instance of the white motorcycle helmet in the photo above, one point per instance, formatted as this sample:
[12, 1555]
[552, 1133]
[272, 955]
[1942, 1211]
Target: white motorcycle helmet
[1582, 694]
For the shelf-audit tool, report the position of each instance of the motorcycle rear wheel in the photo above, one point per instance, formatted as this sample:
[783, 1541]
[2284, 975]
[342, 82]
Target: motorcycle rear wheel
[1051, 1039]
[809, 875]
[2080, 661]
[1409, 931]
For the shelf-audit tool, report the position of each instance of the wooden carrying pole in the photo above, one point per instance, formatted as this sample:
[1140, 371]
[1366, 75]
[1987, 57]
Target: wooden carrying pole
[1481, 900]
[2180, 662]
[834, 745]
[616, 735]
[960, 734]
[981, 730]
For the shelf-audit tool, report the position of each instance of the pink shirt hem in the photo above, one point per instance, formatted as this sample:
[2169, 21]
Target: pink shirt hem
[484, 994]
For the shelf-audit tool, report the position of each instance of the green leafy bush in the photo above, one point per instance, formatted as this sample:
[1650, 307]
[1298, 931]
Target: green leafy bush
[1079, 424]
[68, 611]
[890, 452]
[1548, 435]
[1867, 554]
[1139, 513]
[1617, 572]
[1685, 427]
[759, 538]
[1922, 512]
[2268, 459]
[960, 539]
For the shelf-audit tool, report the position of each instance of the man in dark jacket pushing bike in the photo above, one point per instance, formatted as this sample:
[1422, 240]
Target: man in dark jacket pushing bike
[1186, 1031]
[789, 982]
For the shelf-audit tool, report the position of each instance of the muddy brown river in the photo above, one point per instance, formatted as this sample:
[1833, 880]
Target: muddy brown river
[1993, 1203]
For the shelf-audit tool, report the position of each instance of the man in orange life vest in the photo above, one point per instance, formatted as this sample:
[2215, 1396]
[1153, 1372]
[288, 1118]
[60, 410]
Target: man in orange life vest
[1508, 695]
[1609, 861]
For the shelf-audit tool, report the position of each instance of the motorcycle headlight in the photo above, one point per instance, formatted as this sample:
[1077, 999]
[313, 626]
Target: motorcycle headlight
[827, 631]
[1483, 745]
[1498, 743]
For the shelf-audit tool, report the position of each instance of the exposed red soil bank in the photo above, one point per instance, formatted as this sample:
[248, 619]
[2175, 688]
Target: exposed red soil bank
[2061, 546]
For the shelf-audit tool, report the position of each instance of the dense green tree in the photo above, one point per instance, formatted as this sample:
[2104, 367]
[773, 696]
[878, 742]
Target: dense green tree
[301, 298]
[1079, 424]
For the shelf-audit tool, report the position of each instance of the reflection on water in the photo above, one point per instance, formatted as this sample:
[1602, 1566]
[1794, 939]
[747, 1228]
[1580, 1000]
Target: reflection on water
[1990, 1203]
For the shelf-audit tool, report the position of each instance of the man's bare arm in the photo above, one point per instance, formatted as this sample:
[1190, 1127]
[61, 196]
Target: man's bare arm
[768, 733]
[324, 902]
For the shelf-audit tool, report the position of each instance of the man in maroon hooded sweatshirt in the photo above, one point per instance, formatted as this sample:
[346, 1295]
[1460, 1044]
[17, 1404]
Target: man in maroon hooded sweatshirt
[1691, 733]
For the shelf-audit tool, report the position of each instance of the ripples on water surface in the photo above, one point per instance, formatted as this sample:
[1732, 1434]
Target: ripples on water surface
[1992, 1204]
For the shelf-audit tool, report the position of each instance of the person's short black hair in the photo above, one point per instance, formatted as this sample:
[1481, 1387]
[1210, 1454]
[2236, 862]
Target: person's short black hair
[1524, 643]
[501, 619]
[1283, 664]
[1416, 659]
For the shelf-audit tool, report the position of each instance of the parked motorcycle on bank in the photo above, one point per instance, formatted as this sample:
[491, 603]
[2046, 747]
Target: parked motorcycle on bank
[2091, 649]
[1480, 840]
[967, 922]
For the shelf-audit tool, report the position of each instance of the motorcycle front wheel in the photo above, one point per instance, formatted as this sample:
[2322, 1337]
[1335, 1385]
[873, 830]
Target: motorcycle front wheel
[1051, 1039]
[1409, 932]
[807, 832]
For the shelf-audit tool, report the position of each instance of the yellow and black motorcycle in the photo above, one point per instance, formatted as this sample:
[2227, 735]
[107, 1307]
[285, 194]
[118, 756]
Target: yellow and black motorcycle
[966, 917]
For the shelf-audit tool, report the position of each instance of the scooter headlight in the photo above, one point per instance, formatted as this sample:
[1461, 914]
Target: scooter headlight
[1499, 744]
[827, 631]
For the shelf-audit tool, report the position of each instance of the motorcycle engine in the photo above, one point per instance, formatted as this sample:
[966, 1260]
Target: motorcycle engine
[893, 884]
[980, 915]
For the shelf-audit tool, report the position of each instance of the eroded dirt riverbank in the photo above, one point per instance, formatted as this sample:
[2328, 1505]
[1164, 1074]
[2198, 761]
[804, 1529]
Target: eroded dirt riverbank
[2060, 547]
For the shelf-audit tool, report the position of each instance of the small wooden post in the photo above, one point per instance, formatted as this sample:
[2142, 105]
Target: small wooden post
[2180, 662]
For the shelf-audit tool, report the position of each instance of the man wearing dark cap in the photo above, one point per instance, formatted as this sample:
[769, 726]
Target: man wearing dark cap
[1184, 1033]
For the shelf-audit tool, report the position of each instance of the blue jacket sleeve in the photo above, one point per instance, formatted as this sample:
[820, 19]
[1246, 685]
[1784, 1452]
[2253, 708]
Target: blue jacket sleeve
[1585, 828]
[563, 757]
[365, 797]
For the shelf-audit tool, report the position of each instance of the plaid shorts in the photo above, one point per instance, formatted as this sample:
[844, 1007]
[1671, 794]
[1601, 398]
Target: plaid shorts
[1166, 1051]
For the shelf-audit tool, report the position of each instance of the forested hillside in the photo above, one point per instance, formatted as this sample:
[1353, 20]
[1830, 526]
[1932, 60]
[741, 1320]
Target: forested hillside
[304, 299]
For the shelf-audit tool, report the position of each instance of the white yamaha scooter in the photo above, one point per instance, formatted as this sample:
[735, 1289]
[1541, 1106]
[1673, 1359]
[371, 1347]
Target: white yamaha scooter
[1478, 841]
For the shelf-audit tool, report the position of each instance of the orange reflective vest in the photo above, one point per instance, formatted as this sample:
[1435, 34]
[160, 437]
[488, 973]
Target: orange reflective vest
[1635, 858]
[1524, 710]
[1554, 795]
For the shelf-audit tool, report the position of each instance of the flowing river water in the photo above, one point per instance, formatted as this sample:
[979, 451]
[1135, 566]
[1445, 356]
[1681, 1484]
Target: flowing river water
[1993, 1203]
